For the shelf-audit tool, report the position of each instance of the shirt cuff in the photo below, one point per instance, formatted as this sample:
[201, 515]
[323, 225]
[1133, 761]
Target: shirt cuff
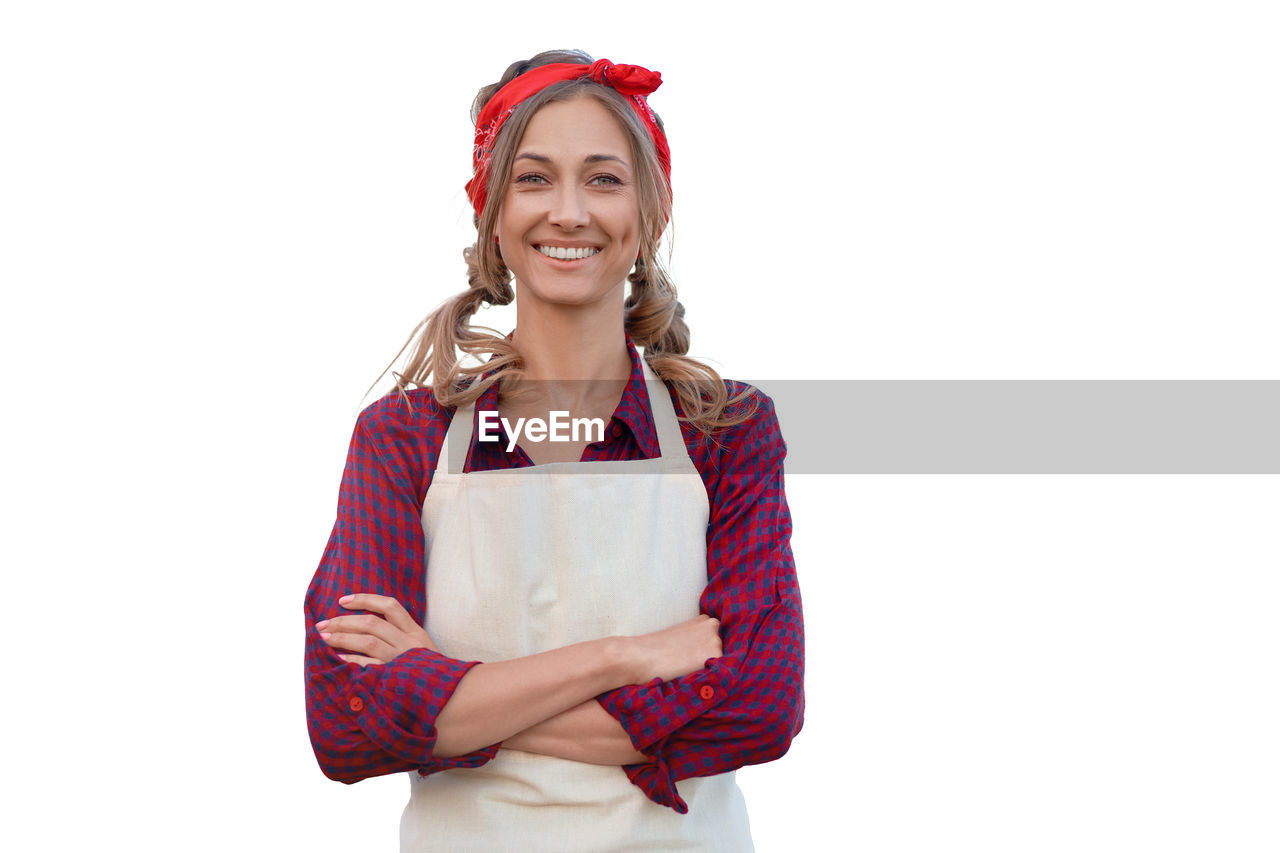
[396, 705]
[650, 713]
[656, 781]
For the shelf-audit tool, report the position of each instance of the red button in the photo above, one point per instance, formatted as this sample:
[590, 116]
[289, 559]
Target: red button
[356, 704]
[706, 691]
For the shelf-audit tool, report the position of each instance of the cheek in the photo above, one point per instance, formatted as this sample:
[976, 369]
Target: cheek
[515, 217]
[627, 223]
[634, 224]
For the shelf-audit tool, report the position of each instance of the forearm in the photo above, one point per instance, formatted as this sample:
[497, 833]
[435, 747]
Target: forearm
[495, 701]
[586, 733]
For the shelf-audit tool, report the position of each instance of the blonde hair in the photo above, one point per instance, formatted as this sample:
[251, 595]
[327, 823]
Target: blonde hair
[653, 315]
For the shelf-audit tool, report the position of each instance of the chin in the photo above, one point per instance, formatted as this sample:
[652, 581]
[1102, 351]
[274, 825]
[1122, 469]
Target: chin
[568, 296]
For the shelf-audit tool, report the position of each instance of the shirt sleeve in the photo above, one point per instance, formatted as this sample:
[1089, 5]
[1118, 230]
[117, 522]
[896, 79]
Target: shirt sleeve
[746, 706]
[375, 720]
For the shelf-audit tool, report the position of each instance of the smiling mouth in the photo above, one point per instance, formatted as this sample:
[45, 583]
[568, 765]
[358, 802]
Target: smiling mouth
[560, 253]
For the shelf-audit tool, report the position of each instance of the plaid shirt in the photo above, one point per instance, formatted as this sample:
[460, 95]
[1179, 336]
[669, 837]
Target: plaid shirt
[744, 708]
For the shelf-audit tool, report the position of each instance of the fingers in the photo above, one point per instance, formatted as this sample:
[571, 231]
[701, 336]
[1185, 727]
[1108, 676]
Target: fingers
[364, 623]
[367, 645]
[412, 634]
[683, 648]
[385, 605]
[709, 633]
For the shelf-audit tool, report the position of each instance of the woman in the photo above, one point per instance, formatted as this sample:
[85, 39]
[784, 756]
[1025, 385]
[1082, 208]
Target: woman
[572, 644]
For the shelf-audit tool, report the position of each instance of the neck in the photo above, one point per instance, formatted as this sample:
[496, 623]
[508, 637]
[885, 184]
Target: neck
[572, 343]
[575, 358]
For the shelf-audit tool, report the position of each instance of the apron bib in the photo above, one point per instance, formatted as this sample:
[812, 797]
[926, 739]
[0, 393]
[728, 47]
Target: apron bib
[525, 560]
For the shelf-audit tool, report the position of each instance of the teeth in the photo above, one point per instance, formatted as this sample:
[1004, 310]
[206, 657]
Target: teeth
[566, 254]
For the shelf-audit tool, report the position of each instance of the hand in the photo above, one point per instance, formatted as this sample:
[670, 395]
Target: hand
[678, 650]
[378, 639]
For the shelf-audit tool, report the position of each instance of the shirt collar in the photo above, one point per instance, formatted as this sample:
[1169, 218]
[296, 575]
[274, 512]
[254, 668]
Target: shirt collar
[634, 410]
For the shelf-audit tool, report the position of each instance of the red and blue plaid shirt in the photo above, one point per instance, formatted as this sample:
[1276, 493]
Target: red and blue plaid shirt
[744, 708]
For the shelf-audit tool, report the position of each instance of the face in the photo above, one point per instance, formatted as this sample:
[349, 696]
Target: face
[569, 226]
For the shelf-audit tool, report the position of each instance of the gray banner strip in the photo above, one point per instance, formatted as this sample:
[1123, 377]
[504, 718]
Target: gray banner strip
[1029, 426]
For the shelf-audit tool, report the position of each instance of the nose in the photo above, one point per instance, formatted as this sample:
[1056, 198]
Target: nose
[569, 207]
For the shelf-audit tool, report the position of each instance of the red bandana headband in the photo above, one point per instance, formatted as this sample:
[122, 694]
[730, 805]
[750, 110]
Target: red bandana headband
[631, 81]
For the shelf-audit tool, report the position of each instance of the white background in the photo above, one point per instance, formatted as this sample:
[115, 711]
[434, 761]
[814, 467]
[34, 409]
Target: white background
[221, 220]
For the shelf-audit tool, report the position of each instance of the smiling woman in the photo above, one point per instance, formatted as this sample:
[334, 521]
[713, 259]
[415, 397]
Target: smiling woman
[570, 646]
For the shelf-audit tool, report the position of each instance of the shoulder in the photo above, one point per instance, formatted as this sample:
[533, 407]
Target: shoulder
[748, 405]
[395, 413]
[752, 402]
[405, 431]
[753, 443]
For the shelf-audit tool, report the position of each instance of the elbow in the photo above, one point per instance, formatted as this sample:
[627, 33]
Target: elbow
[344, 778]
[349, 766]
[344, 754]
[335, 761]
[783, 725]
[336, 770]
[343, 751]
[778, 743]
[337, 774]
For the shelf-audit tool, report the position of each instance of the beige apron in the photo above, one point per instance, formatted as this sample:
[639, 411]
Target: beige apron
[525, 560]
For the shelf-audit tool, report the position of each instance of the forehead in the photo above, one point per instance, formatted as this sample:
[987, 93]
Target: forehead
[582, 126]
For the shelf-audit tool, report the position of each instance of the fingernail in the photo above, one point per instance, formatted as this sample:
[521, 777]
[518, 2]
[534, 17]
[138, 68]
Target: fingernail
[345, 599]
[320, 625]
[324, 635]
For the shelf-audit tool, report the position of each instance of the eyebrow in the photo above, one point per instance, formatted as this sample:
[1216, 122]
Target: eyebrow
[590, 158]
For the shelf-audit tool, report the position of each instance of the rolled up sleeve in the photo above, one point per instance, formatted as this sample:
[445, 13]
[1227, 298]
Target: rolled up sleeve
[746, 706]
[379, 719]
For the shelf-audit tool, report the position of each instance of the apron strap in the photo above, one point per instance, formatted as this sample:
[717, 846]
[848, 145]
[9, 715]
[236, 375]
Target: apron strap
[458, 438]
[670, 440]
